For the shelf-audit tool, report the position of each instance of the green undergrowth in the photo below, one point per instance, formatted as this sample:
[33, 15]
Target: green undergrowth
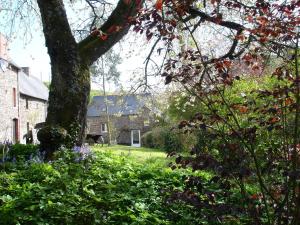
[108, 189]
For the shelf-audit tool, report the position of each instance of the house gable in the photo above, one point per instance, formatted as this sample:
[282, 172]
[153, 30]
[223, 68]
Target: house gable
[126, 114]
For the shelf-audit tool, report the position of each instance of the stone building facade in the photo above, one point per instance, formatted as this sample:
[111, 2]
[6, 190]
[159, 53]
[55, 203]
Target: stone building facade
[23, 100]
[128, 118]
[9, 102]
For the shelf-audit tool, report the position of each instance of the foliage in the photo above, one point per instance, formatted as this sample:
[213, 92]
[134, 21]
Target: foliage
[22, 152]
[168, 139]
[250, 139]
[247, 149]
[173, 141]
[106, 189]
[107, 67]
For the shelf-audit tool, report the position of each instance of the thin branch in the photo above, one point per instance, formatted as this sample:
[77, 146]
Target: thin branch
[194, 13]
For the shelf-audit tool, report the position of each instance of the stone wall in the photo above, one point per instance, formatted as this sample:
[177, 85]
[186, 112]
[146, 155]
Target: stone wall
[31, 113]
[121, 126]
[36, 112]
[8, 112]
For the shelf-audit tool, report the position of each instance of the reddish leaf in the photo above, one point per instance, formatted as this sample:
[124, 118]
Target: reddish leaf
[159, 4]
[243, 109]
[255, 196]
[103, 37]
[247, 57]
[262, 20]
[227, 63]
[274, 120]
[288, 101]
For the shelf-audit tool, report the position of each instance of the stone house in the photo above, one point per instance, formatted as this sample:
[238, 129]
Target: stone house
[129, 117]
[23, 100]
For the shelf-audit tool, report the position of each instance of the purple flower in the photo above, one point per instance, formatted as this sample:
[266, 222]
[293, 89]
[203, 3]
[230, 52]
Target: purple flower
[84, 152]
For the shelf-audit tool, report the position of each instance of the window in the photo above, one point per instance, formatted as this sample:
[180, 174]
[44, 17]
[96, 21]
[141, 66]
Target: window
[103, 127]
[26, 103]
[15, 129]
[146, 122]
[14, 97]
[132, 117]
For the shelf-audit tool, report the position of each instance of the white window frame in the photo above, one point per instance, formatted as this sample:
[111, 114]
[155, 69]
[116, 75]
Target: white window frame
[136, 144]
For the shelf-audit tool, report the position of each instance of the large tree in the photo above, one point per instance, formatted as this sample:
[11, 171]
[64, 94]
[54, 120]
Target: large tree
[70, 63]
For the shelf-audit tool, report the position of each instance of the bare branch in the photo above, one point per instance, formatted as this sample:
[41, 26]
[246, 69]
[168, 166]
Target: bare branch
[194, 13]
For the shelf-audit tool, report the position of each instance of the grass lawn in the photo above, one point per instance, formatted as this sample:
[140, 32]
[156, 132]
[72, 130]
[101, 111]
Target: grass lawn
[140, 155]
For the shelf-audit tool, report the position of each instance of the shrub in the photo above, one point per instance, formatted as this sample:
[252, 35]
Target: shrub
[154, 138]
[147, 139]
[168, 139]
[172, 141]
[22, 152]
[158, 137]
[90, 141]
[107, 190]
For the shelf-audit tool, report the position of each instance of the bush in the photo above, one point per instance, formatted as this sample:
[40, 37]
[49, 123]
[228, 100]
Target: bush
[154, 138]
[168, 139]
[90, 141]
[147, 140]
[173, 142]
[106, 190]
[23, 152]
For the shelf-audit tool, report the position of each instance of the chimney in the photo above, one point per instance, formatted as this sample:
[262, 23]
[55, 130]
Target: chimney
[3, 47]
[26, 70]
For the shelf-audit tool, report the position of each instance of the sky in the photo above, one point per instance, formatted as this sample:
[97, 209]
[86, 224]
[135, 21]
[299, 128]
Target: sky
[33, 54]
[27, 48]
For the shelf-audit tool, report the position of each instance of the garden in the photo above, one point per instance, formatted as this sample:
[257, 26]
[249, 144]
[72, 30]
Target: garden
[110, 185]
[225, 145]
[216, 165]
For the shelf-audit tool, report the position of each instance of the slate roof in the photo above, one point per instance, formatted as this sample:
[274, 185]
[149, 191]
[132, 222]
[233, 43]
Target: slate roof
[32, 86]
[124, 105]
[4, 64]
[28, 85]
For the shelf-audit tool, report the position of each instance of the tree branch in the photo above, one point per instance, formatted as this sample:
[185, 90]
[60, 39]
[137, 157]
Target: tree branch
[198, 13]
[116, 26]
[53, 15]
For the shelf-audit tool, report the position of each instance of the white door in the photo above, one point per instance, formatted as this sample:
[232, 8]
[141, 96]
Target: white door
[136, 138]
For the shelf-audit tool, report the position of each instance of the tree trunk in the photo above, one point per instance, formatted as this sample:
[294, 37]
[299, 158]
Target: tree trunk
[70, 85]
[70, 62]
